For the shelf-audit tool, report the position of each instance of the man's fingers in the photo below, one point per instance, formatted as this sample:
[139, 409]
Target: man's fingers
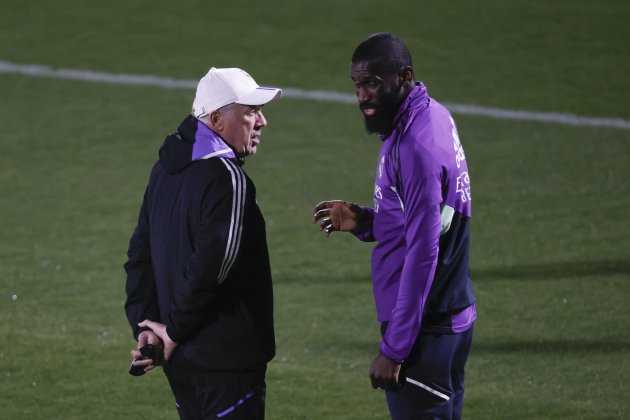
[325, 212]
[147, 323]
[384, 373]
[382, 383]
[148, 364]
[322, 205]
[143, 362]
[326, 205]
[326, 226]
[153, 340]
[325, 223]
[373, 378]
[153, 326]
[376, 383]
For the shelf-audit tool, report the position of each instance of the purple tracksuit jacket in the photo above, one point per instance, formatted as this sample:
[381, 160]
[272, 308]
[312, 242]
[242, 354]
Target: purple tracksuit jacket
[421, 221]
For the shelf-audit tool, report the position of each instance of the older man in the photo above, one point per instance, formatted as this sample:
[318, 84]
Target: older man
[421, 222]
[198, 277]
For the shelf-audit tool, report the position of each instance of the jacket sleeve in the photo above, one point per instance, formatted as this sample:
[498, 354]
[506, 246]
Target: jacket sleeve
[141, 300]
[217, 240]
[364, 231]
[421, 186]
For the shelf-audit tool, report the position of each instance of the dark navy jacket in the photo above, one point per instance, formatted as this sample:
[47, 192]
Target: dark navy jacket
[198, 259]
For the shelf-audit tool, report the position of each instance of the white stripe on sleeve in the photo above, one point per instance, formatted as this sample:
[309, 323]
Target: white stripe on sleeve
[446, 217]
[236, 220]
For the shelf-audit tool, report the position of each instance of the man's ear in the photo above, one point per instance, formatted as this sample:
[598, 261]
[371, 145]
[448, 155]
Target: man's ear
[216, 121]
[407, 77]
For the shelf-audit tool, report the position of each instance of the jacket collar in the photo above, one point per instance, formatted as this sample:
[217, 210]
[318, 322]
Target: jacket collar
[209, 144]
[417, 99]
[205, 142]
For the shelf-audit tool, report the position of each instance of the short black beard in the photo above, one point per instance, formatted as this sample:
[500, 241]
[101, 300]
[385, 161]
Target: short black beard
[379, 123]
[382, 121]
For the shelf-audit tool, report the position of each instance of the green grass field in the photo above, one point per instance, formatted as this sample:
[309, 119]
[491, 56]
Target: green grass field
[551, 245]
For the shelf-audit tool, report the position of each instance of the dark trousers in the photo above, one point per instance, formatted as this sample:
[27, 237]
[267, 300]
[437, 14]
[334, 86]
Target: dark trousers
[201, 394]
[432, 379]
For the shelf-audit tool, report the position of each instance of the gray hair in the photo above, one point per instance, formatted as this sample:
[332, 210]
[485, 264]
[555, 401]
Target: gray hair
[206, 118]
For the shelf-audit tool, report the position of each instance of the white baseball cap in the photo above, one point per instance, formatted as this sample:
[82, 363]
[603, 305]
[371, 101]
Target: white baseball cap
[221, 87]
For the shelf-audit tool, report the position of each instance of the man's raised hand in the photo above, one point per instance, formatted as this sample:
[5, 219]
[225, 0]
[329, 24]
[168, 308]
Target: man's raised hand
[336, 215]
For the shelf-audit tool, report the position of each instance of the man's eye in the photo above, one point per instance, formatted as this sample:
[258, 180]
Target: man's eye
[369, 84]
[372, 84]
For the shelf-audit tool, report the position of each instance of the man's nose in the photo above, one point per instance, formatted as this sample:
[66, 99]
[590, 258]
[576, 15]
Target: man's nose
[362, 95]
[261, 121]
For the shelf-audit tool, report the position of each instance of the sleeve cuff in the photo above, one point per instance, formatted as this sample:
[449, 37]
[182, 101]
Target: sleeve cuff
[174, 335]
[363, 231]
[385, 351]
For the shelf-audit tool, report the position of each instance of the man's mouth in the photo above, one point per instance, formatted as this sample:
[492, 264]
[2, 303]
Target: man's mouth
[369, 110]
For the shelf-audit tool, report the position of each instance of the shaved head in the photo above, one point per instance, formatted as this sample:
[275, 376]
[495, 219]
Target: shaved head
[384, 49]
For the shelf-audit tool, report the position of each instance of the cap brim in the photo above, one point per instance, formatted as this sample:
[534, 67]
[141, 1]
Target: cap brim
[260, 96]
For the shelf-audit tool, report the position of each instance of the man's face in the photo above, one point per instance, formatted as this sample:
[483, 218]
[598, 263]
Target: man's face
[379, 94]
[242, 126]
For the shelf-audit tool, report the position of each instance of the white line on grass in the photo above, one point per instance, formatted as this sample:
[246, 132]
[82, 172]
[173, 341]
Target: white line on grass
[317, 95]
